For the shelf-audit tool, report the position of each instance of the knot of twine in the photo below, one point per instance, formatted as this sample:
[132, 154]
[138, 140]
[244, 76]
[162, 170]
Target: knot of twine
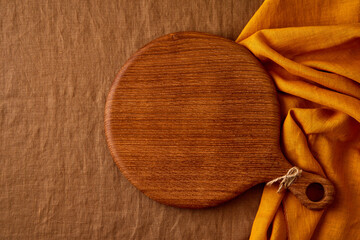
[287, 179]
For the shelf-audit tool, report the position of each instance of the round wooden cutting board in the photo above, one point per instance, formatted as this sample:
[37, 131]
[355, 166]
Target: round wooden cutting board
[192, 120]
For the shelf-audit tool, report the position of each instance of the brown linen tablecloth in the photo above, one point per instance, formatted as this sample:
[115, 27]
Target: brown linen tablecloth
[57, 178]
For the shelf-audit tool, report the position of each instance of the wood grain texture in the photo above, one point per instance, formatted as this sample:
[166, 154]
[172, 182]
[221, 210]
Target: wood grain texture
[192, 120]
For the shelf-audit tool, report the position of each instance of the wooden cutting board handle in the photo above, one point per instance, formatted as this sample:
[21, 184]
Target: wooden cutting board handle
[313, 191]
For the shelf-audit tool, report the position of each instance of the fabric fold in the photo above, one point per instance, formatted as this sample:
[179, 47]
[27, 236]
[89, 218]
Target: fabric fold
[311, 49]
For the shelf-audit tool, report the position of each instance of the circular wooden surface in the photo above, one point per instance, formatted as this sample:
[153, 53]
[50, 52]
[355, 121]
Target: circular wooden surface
[192, 120]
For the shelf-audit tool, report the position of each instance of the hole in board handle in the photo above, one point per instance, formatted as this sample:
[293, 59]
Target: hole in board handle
[315, 192]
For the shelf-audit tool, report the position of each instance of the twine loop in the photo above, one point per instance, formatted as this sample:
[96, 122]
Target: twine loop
[287, 179]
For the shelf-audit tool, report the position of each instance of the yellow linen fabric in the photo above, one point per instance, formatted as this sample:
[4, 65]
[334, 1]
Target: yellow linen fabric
[311, 48]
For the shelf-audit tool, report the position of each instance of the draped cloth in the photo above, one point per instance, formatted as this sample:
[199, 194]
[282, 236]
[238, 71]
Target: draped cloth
[311, 49]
